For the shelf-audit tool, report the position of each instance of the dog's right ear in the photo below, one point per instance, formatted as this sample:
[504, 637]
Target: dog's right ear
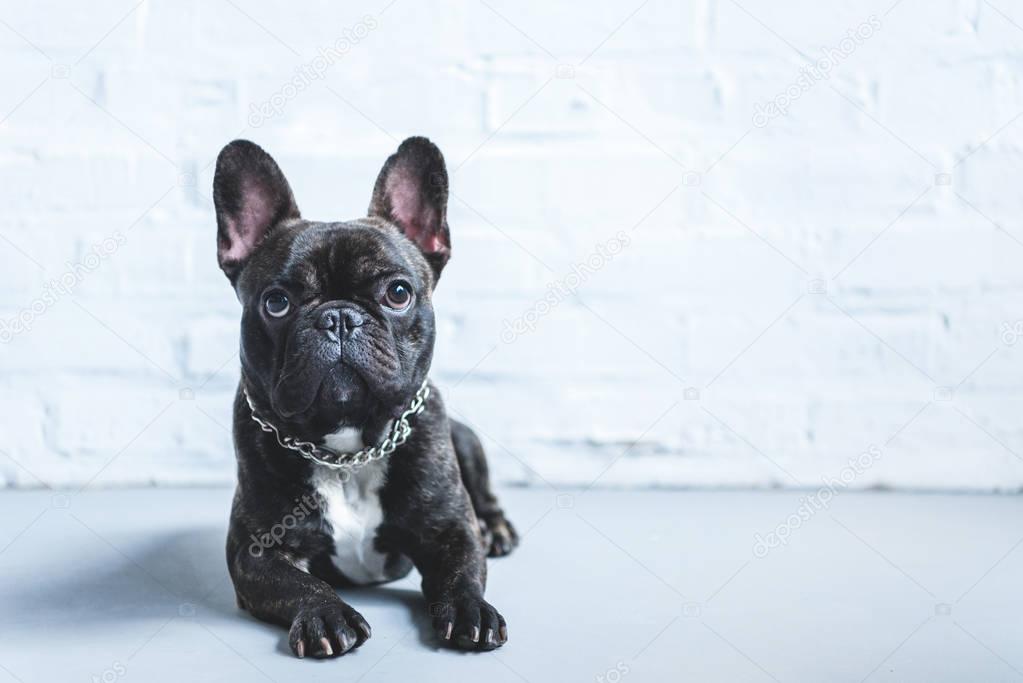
[251, 196]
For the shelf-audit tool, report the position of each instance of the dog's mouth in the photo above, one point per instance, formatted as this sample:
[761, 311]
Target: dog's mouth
[338, 394]
[344, 397]
[325, 382]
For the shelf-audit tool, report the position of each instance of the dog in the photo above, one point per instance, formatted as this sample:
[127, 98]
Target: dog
[349, 470]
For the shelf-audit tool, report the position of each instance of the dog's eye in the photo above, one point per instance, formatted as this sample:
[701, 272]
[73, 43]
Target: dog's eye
[398, 295]
[277, 304]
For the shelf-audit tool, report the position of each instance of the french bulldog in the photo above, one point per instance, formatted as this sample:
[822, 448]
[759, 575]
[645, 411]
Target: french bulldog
[349, 470]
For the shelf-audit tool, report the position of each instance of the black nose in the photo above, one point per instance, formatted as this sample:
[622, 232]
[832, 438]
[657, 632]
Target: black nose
[342, 320]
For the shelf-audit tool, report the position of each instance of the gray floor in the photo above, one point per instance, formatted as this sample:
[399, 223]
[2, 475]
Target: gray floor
[607, 586]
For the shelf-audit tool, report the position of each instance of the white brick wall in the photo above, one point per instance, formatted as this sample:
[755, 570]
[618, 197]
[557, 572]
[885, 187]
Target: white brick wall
[815, 283]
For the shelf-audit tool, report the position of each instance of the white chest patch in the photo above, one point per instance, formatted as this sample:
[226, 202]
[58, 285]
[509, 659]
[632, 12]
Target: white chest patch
[352, 509]
[344, 440]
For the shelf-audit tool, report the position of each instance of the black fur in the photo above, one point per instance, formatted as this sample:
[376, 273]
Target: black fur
[341, 357]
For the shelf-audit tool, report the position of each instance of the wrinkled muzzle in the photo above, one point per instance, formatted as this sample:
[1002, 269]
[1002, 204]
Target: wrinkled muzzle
[337, 355]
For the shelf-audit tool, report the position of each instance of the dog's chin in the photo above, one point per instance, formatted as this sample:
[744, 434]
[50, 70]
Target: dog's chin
[344, 400]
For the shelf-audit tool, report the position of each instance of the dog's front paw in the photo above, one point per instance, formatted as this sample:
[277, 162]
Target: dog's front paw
[499, 536]
[469, 623]
[328, 630]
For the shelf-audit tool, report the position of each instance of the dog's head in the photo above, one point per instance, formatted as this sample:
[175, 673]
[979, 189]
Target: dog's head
[338, 326]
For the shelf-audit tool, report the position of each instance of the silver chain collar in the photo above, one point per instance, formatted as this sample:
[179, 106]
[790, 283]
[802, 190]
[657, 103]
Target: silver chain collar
[398, 435]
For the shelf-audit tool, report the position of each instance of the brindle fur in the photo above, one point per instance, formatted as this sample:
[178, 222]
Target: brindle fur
[439, 512]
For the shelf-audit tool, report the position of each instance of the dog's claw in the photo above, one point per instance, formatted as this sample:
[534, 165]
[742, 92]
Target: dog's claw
[500, 537]
[327, 631]
[462, 621]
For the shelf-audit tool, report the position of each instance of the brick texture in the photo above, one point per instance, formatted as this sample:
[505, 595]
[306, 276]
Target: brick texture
[696, 243]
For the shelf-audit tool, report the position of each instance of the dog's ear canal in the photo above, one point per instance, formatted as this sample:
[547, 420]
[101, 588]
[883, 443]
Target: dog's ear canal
[251, 196]
[412, 192]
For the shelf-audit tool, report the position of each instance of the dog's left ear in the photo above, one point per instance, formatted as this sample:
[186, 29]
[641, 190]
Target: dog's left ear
[412, 192]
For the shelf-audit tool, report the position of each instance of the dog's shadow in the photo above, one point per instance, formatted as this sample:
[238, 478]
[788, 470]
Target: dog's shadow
[182, 574]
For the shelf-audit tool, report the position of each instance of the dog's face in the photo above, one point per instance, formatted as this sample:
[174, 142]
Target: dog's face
[338, 325]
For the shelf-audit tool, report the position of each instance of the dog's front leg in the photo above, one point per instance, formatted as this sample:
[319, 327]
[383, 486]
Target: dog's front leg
[274, 589]
[454, 574]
